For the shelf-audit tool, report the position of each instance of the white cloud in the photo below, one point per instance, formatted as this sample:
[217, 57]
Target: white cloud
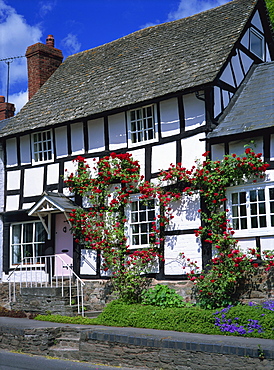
[46, 7]
[15, 36]
[71, 43]
[19, 100]
[187, 8]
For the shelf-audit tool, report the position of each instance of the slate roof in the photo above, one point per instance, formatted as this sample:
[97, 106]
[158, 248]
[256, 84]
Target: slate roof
[149, 63]
[254, 107]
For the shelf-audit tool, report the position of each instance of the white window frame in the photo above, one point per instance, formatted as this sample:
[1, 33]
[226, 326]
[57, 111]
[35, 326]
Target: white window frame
[143, 129]
[252, 231]
[42, 148]
[129, 228]
[254, 32]
[20, 244]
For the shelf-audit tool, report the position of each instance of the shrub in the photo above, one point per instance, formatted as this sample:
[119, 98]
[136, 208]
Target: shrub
[163, 296]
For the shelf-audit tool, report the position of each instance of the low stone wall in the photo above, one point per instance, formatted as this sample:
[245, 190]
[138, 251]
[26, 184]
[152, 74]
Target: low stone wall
[97, 293]
[143, 349]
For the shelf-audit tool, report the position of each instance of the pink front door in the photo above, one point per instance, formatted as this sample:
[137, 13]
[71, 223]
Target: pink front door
[63, 245]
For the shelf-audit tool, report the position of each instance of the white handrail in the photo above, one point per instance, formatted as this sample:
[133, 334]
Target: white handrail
[29, 269]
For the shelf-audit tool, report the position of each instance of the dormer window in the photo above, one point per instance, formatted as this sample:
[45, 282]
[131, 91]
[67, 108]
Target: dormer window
[256, 43]
[42, 146]
[142, 124]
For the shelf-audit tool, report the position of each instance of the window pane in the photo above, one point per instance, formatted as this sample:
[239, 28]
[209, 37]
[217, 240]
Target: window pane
[16, 234]
[243, 197]
[272, 220]
[27, 233]
[16, 254]
[272, 207]
[144, 239]
[27, 250]
[243, 223]
[39, 232]
[135, 240]
[144, 228]
[271, 193]
[134, 217]
[262, 208]
[243, 210]
[253, 209]
[253, 196]
[254, 222]
[256, 43]
[261, 196]
[235, 224]
[235, 212]
[234, 198]
[142, 216]
[135, 229]
[262, 220]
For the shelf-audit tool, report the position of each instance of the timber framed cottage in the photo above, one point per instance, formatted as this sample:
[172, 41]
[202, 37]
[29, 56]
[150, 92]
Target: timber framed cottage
[165, 94]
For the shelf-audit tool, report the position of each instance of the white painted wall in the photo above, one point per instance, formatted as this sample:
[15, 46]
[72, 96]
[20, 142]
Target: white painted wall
[77, 138]
[170, 122]
[61, 142]
[13, 180]
[227, 76]
[245, 40]
[162, 156]
[117, 131]
[139, 155]
[237, 69]
[194, 110]
[176, 244]
[217, 101]
[185, 213]
[11, 150]
[88, 262]
[12, 203]
[192, 149]
[53, 173]
[246, 60]
[25, 149]
[217, 151]
[33, 181]
[238, 148]
[96, 136]
[256, 21]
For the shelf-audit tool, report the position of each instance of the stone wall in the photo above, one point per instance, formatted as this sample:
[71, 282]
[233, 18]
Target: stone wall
[142, 349]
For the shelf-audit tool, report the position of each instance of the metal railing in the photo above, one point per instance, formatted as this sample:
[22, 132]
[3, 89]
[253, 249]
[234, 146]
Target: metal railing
[41, 272]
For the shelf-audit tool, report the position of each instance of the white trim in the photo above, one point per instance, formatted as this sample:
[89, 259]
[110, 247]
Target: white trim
[251, 232]
[43, 151]
[261, 38]
[21, 243]
[155, 129]
[128, 212]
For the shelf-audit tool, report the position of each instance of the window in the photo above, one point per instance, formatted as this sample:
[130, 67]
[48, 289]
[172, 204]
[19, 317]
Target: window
[142, 214]
[252, 208]
[42, 146]
[256, 43]
[142, 124]
[27, 240]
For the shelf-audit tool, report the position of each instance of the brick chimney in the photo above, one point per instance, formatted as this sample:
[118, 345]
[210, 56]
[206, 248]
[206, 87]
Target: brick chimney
[6, 109]
[43, 60]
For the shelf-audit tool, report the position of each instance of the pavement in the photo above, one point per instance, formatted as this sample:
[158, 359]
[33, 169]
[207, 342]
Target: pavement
[241, 346]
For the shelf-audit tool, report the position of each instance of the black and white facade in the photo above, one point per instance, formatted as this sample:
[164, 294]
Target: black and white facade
[159, 94]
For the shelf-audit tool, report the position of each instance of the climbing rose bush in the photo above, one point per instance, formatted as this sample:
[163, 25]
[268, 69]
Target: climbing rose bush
[102, 225]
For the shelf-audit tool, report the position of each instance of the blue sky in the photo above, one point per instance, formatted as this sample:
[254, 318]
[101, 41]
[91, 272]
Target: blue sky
[77, 25]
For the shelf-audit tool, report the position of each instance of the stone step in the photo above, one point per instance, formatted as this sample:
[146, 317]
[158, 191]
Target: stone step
[92, 314]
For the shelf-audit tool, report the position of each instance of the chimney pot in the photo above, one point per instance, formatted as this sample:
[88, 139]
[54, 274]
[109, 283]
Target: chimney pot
[50, 41]
[2, 99]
